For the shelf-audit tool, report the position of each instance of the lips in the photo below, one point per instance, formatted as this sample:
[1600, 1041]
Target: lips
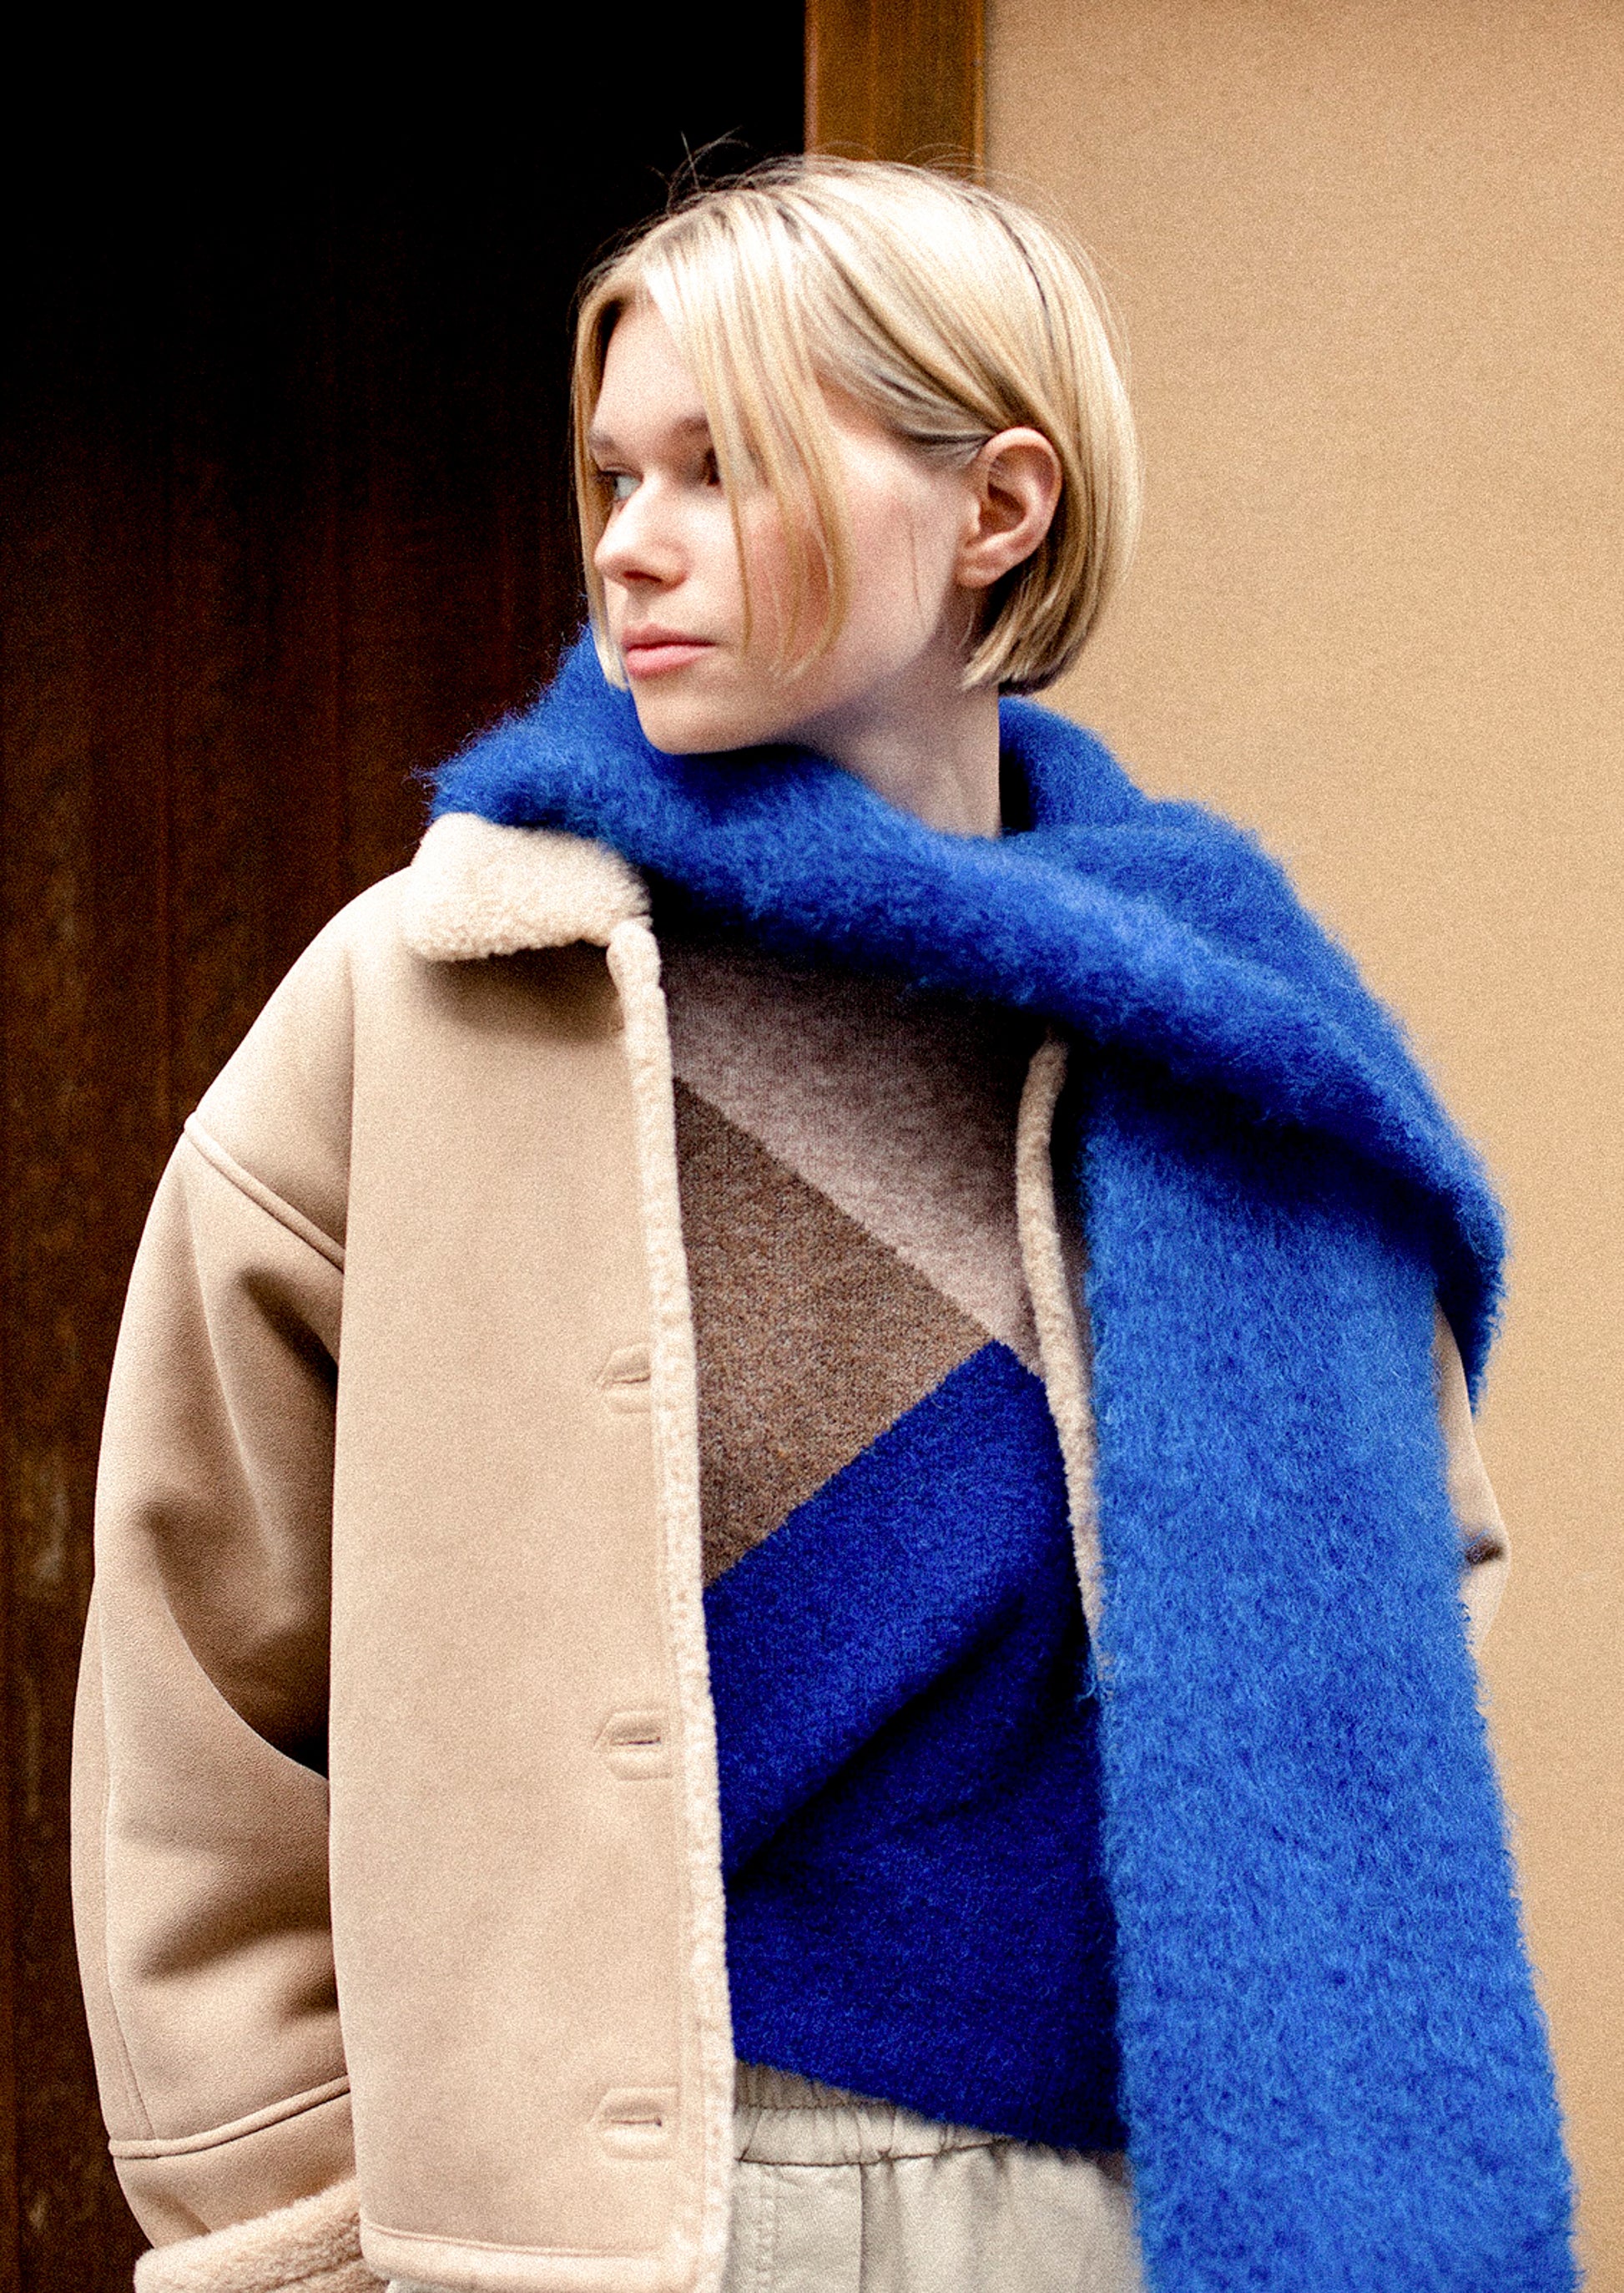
[656, 652]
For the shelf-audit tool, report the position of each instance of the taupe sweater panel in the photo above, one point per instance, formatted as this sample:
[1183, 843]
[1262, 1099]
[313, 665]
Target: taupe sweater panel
[847, 1160]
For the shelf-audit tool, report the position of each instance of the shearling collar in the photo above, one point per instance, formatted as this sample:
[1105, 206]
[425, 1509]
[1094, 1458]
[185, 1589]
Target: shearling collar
[477, 889]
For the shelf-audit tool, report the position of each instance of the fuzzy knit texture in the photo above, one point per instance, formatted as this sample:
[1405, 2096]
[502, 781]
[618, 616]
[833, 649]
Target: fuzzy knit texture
[845, 1151]
[1335, 2071]
[906, 1744]
[314, 2246]
[908, 1773]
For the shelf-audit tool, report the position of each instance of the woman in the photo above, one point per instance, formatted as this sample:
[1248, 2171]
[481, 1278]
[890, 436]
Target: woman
[876, 1572]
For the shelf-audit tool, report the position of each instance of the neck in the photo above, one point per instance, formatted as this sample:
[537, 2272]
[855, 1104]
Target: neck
[924, 744]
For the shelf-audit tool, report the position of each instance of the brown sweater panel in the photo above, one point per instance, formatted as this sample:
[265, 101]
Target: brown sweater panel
[812, 1337]
[846, 1155]
[898, 1105]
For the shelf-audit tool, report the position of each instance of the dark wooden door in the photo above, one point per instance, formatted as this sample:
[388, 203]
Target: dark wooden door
[282, 493]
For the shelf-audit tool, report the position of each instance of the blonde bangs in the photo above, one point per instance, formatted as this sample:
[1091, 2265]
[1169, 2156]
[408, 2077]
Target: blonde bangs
[721, 280]
[948, 313]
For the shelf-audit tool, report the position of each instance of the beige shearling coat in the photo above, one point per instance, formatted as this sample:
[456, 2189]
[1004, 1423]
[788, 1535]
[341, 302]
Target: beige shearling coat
[402, 1446]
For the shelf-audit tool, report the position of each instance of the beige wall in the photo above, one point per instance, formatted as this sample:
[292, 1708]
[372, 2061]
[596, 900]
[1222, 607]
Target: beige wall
[1370, 258]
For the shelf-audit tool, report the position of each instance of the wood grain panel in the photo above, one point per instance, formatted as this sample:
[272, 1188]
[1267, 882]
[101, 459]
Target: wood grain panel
[896, 79]
[283, 521]
[85, 1018]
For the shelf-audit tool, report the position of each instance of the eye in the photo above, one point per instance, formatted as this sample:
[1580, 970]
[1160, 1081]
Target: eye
[712, 471]
[620, 485]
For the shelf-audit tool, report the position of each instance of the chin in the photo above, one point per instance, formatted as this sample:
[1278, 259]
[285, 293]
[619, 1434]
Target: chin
[689, 729]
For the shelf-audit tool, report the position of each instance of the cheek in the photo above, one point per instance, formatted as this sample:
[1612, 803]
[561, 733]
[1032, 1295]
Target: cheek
[900, 577]
[905, 535]
[887, 613]
[772, 573]
[714, 550]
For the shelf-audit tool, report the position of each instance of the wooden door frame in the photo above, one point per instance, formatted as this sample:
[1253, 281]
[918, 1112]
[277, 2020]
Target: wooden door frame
[898, 80]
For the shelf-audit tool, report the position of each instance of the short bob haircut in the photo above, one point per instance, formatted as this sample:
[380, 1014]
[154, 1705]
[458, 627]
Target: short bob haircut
[946, 311]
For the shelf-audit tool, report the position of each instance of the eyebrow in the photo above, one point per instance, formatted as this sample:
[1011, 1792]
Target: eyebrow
[691, 425]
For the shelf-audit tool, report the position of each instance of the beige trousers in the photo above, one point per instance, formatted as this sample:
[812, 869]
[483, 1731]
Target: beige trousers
[837, 2194]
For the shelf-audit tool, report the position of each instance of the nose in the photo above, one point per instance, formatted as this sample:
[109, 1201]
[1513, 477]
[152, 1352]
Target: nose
[639, 545]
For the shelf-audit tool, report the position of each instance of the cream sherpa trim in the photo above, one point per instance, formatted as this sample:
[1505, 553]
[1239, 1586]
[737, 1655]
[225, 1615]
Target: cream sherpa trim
[634, 963]
[1060, 1344]
[313, 2245]
[475, 889]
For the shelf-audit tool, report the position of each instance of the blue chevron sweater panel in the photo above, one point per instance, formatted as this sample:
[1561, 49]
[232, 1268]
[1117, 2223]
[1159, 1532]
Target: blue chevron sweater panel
[906, 1732]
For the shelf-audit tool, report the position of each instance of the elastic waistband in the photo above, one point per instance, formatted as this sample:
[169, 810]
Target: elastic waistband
[782, 2119]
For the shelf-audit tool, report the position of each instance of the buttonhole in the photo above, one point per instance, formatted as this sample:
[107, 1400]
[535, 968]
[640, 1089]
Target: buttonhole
[636, 1743]
[624, 1380]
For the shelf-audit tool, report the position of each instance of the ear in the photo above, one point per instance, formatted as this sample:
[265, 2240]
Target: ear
[1014, 491]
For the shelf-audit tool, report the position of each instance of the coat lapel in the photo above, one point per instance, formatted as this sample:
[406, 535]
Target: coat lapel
[477, 889]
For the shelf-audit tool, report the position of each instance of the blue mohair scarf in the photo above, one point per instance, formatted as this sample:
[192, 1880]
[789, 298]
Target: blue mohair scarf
[1335, 2073]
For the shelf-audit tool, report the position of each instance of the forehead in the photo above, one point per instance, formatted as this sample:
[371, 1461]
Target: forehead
[648, 392]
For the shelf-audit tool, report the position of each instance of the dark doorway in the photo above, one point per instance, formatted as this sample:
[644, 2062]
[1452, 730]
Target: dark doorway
[285, 521]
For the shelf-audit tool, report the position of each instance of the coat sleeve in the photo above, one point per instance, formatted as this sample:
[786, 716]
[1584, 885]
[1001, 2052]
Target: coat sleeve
[1485, 1551]
[200, 1800]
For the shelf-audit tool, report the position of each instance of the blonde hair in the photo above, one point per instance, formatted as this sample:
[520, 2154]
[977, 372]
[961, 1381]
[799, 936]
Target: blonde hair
[947, 311]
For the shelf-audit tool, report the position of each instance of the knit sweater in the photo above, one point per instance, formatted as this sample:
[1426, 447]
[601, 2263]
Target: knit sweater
[908, 1773]
[846, 1152]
